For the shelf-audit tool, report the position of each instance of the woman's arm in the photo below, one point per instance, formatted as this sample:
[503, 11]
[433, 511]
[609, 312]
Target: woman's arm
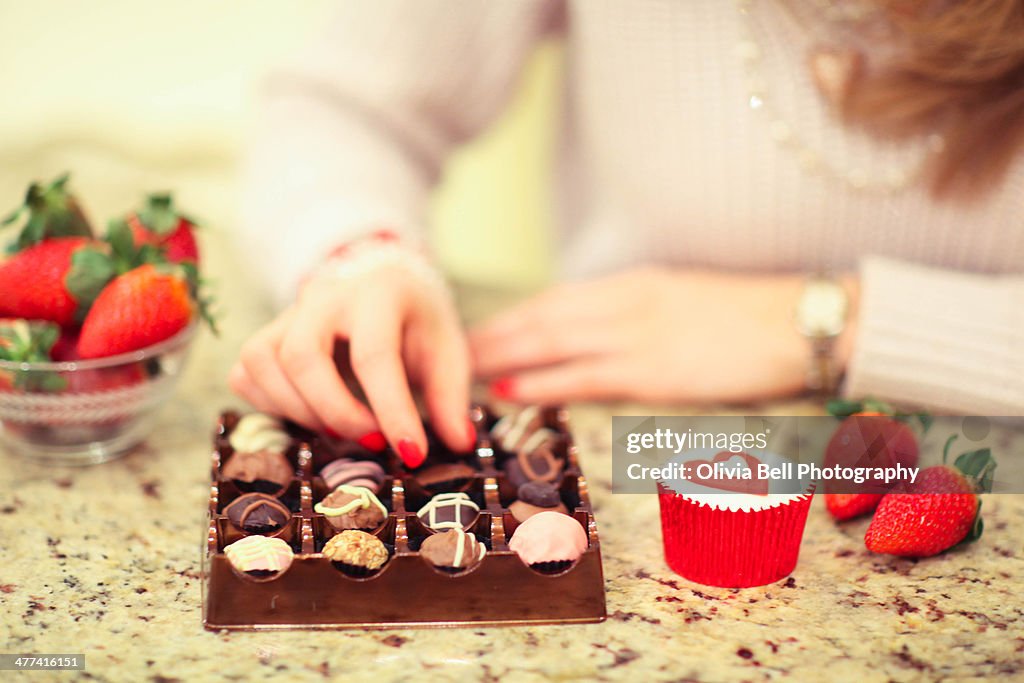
[354, 131]
[941, 339]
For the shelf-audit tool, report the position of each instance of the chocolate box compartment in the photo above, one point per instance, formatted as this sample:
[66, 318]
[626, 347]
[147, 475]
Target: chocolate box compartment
[407, 591]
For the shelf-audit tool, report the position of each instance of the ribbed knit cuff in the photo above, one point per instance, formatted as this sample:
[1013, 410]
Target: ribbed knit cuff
[939, 339]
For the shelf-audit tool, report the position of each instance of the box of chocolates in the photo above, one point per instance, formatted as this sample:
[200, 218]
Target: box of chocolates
[307, 532]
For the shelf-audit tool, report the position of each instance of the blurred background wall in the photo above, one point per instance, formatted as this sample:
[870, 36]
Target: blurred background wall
[133, 96]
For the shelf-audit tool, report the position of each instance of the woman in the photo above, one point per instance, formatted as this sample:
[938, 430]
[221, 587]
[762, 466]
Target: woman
[713, 155]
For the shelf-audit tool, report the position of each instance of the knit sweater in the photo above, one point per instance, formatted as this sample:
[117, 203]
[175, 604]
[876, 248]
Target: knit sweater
[673, 151]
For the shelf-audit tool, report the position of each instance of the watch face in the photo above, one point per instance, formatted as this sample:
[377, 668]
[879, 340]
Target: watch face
[821, 311]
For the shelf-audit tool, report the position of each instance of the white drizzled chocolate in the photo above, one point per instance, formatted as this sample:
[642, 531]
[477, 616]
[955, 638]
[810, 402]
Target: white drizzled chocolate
[259, 432]
[453, 549]
[259, 553]
[523, 431]
[449, 511]
[362, 498]
[365, 473]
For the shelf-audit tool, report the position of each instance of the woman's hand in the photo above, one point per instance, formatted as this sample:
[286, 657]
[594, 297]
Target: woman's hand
[400, 329]
[653, 335]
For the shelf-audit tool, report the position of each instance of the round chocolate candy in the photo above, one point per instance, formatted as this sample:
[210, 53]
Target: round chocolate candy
[263, 471]
[365, 473]
[357, 550]
[538, 465]
[522, 431]
[549, 538]
[352, 507]
[449, 511]
[535, 497]
[259, 432]
[257, 513]
[259, 556]
[444, 473]
[453, 549]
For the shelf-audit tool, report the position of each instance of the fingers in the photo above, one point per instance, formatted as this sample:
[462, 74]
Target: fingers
[567, 322]
[443, 366]
[263, 381]
[375, 347]
[305, 358]
[587, 379]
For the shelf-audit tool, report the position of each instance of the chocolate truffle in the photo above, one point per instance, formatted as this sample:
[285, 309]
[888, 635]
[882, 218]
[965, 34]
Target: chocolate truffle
[257, 513]
[445, 472]
[534, 497]
[549, 538]
[540, 464]
[365, 473]
[449, 511]
[352, 507]
[259, 432]
[522, 431]
[357, 549]
[259, 555]
[453, 549]
[268, 471]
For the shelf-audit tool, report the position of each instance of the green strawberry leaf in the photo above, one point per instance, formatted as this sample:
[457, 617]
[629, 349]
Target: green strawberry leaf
[22, 341]
[91, 270]
[49, 211]
[977, 527]
[197, 287]
[160, 216]
[979, 466]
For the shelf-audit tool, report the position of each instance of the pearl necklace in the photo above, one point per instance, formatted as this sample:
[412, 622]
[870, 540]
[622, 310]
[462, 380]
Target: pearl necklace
[889, 180]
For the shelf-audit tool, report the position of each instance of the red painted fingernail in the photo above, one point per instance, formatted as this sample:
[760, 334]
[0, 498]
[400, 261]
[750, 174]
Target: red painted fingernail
[471, 433]
[411, 454]
[503, 387]
[331, 433]
[374, 441]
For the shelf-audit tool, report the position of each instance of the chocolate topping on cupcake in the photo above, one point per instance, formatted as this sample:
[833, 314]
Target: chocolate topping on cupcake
[453, 549]
[365, 473]
[357, 549]
[257, 513]
[352, 507]
[449, 511]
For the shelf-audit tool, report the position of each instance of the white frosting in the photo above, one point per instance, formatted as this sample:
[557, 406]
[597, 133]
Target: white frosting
[259, 432]
[779, 492]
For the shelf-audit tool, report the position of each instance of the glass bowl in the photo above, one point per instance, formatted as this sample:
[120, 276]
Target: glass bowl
[88, 411]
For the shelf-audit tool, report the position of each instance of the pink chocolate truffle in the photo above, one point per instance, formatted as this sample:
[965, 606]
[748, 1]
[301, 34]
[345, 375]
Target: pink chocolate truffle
[549, 537]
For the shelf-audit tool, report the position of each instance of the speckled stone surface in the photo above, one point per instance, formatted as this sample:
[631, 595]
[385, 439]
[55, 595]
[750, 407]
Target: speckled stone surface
[105, 561]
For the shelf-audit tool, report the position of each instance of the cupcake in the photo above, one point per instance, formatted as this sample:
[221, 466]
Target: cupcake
[258, 463]
[257, 513]
[259, 556]
[735, 530]
[365, 473]
[535, 497]
[549, 541]
[453, 550]
[356, 553]
[449, 511]
[352, 507]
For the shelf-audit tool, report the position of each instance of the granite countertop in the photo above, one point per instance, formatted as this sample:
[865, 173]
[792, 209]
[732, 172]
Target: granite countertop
[105, 561]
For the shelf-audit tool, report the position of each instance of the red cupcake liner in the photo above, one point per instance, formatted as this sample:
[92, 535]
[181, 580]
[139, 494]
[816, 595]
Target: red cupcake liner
[731, 548]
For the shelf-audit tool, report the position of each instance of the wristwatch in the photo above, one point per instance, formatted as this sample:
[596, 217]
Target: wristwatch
[820, 316]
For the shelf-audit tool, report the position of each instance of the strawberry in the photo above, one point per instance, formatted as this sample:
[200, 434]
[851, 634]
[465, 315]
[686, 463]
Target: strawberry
[25, 341]
[843, 506]
[32, 282]
[144, 306]
[49, 211]
[160, 224]
[940, 509]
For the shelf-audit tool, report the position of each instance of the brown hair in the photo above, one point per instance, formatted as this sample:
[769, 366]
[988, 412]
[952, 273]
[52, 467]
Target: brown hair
[962, 71]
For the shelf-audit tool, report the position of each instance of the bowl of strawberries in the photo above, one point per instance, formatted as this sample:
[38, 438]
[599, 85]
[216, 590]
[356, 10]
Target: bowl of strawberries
[94, 331]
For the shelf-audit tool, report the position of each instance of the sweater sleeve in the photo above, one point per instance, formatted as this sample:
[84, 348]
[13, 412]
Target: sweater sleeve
[944, 340]
[353, 132]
